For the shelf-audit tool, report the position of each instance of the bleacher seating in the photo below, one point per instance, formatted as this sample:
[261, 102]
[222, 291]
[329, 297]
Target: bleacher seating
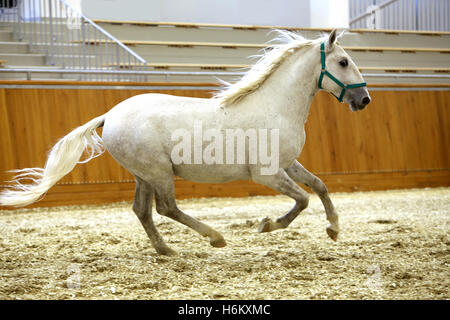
[222, 47]
[181, 46]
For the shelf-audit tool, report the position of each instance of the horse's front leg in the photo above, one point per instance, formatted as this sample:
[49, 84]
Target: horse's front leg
[303, 176]
[282, 183]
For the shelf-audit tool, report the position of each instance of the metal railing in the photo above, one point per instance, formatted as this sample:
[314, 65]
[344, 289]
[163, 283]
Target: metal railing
[420, 15]
[69, 39]
[212, 74]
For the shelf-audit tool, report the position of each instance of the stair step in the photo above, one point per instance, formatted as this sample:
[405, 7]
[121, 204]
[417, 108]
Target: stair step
[13, 47]
[6, 35]
[23, 59]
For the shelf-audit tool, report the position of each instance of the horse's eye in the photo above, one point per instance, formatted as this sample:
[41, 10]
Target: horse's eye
[343, 62]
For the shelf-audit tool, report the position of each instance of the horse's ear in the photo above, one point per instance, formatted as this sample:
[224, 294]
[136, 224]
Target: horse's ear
[340, 35]
[331, 40]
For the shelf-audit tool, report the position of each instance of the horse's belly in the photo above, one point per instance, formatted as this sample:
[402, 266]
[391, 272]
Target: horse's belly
[215, 173]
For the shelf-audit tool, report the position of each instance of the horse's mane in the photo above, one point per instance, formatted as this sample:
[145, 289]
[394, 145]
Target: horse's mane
[287, 44]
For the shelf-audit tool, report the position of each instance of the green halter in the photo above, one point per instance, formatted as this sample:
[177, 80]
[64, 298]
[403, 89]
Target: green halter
[339, 83]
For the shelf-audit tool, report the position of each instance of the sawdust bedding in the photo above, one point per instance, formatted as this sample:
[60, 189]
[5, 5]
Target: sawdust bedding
[393, 245]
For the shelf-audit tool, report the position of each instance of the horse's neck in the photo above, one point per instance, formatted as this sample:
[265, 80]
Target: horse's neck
[290, 90]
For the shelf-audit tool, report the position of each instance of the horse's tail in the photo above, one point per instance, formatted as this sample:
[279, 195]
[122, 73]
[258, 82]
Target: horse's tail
[61, 160]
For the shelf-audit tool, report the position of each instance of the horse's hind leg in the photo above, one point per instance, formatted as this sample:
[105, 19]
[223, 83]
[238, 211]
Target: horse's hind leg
[166, 206]
[142, 206]
[282, 183]
[303, 176]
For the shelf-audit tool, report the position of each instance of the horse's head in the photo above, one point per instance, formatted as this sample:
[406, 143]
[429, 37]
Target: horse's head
[340, 75]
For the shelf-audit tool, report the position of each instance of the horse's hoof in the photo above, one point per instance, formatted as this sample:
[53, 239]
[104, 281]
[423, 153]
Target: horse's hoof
[333, 234]
[218, 243]
[266, 225]
[166, 251]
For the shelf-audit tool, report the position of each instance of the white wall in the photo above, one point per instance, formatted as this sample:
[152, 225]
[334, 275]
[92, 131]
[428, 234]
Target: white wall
[329, 13]
[295, 13]
[259, 12]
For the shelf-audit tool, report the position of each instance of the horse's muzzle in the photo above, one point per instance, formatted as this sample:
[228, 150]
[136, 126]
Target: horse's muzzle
[359, 106]
[359, 100]
[364, 102]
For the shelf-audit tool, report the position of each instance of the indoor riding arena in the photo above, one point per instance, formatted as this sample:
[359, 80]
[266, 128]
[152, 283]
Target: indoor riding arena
[110, 229]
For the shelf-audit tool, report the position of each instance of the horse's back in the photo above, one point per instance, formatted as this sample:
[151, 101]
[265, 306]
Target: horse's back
[138, 131]
[154, 103]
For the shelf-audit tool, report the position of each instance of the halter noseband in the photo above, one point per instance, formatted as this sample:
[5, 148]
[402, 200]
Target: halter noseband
[339, 83]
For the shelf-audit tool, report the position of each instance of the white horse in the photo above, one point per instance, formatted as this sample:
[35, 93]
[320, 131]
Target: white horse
[276, 93]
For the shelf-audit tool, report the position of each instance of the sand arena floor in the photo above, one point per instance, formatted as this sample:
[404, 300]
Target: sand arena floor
[393, 245]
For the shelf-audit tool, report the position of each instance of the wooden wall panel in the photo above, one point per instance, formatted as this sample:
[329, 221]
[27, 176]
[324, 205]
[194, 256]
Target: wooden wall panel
[400, 140]
[399, 130]
[37, 118]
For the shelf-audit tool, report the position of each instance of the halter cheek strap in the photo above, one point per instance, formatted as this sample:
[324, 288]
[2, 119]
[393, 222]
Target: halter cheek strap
[324, 72]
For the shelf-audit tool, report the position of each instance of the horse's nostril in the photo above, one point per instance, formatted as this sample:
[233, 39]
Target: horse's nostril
[366, 100]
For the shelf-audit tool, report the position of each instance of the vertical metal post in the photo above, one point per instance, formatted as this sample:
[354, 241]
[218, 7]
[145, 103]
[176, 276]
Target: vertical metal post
[88, 48]
[41, 22]
[50, 25]
[18, 32]
[446, 16]
[95, 47]
[80, 45]
[83, 44]
[102, 54]
[118, 60]
[106, 53]
[57, 57]
[45, 29]
[27, 25]
[412, 13]
[60, 38]
[70, 42]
